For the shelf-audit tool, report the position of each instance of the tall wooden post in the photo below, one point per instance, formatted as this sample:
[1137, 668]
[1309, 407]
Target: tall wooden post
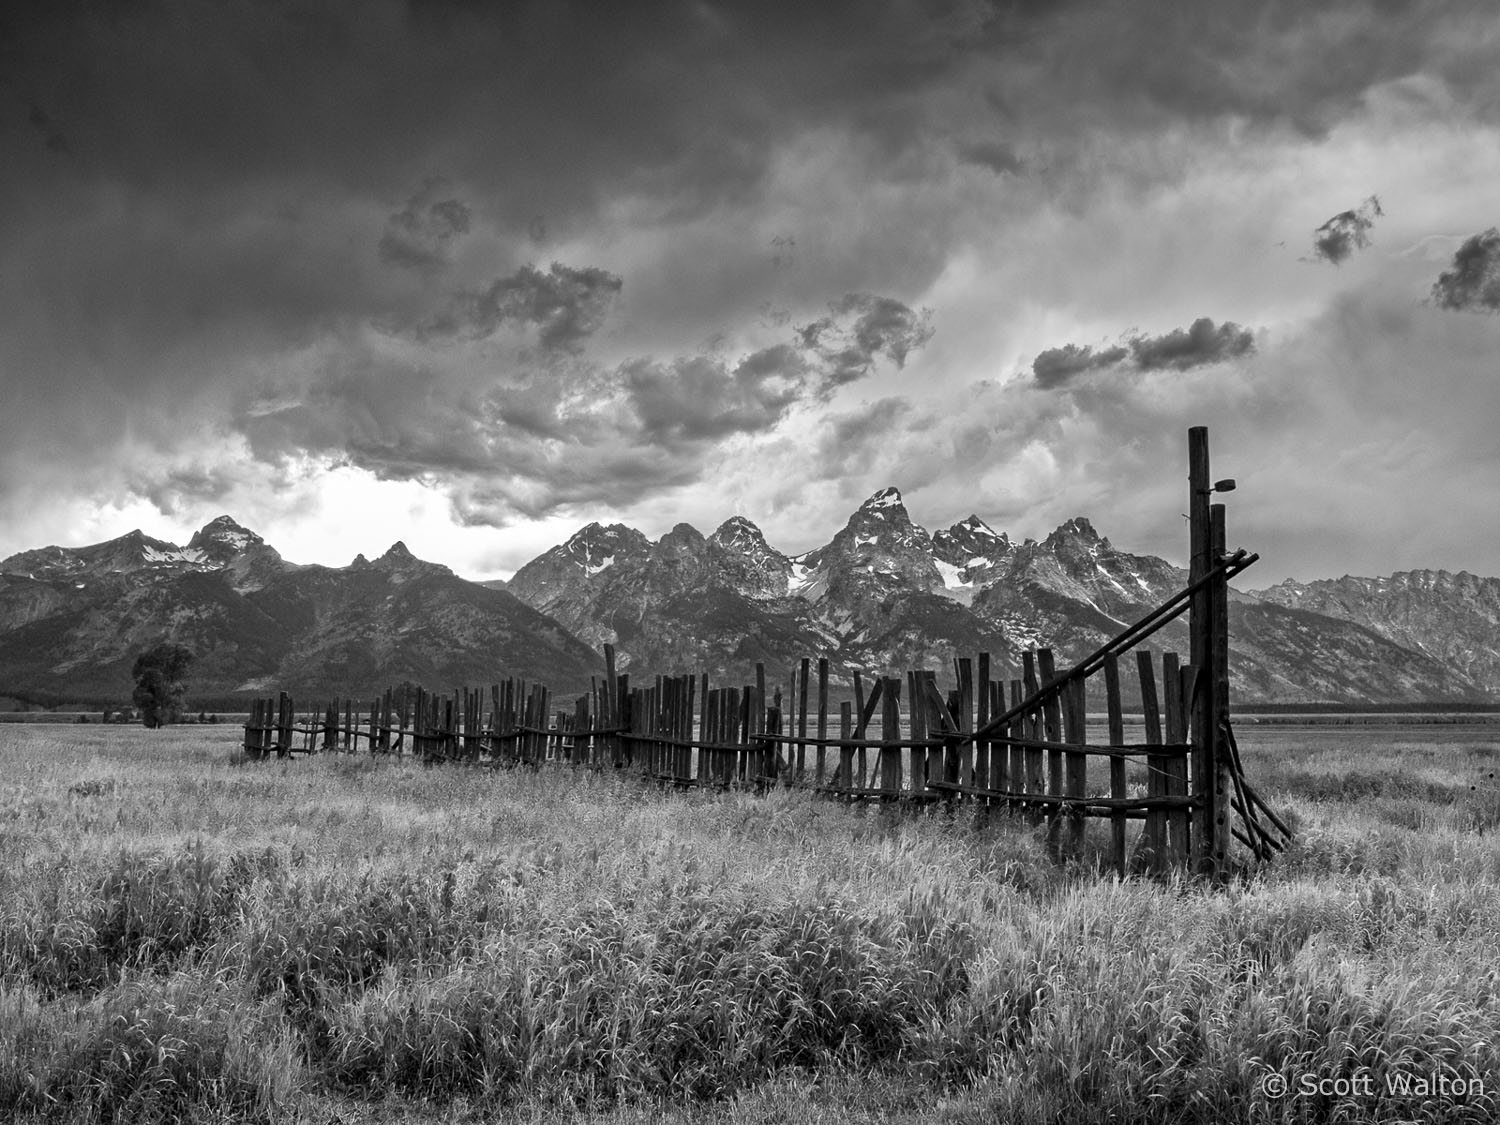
[1218, 658]
[1209, 636]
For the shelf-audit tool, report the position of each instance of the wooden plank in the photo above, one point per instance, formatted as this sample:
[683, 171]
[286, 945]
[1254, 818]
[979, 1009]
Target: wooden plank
[917, 721]
[982, 698]
[804, 674]
[1052, 727]
[1153, 839]
[966, 720]
[773, 727]
[733, 719]
[822, 718]
[747, 726]
[865, 713]
[1200, 632]
[1177, 690]
[1117, 782]
[845, 777]
[1019, 779]
[1036, 767]
[931, 706]
[610, 704]
[890, 726]
[763, 756]
[1076, 764]
[1218, 665]
[689, 768]
[709, 734]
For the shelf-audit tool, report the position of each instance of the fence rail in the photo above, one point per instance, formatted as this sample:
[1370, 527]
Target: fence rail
[900, 739]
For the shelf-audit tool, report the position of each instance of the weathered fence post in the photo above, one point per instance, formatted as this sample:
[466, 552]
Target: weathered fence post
[1208, 629]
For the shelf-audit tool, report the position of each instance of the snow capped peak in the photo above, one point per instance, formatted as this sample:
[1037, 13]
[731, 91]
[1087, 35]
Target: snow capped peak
[1080, 527]
[595, 547]
[585, 534]
[740, 535]
[885, 498]
[976, 526]
[223, 532]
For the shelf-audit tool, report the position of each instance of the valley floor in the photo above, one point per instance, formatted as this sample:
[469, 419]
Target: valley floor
[186, 935]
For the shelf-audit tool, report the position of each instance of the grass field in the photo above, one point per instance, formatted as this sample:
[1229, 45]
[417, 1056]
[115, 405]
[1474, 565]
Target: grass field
[186, 936]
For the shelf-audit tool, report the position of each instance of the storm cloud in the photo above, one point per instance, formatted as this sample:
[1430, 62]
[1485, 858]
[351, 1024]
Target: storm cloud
[421, 234]
[1473, 284]
[1346, 232]
[565, 305]
[242, 250]
[860, 329]
[1200, 344]
[1058, 365]
[520, 432]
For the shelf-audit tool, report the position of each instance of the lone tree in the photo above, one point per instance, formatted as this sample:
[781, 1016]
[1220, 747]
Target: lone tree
[160, 683]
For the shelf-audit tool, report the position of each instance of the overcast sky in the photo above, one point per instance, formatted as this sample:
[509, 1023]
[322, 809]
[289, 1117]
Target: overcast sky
[359, 272]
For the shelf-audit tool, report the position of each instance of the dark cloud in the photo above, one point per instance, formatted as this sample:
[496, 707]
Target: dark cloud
[702, 398]
[1058, 365]
[997, 156]
[52, 138]
[1474, 281]
[550, 426]
[420, 235]
[1201, 343]
[209, 262]
[1198, 345]
[854, 441]
[861, 329]
[1346, 232]
[1303, 66]
[566, 305]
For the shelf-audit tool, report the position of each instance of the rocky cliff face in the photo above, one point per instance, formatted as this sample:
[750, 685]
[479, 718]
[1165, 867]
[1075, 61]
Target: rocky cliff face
[884, 595]
[1452, 618]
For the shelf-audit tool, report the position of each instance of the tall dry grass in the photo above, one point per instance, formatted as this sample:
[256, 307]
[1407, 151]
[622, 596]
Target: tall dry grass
[184, 936]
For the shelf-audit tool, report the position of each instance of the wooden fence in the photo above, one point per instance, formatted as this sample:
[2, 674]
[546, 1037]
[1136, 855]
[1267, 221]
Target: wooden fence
[1020, 743]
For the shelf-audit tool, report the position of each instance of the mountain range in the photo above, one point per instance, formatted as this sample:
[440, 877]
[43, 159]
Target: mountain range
[882, 595]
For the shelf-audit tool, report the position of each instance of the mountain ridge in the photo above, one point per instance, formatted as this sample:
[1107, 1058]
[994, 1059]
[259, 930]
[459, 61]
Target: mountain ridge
[881, 595]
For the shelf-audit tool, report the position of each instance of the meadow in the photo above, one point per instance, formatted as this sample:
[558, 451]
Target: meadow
[188, 936]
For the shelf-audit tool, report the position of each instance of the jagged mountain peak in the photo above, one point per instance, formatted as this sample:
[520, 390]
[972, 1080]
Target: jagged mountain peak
[976, 536]
[969, 554]
[682, 535]
[739, 534]
[226, 530]
[1077, 528]
[400, 564]
[591, 538]
[886, 498]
